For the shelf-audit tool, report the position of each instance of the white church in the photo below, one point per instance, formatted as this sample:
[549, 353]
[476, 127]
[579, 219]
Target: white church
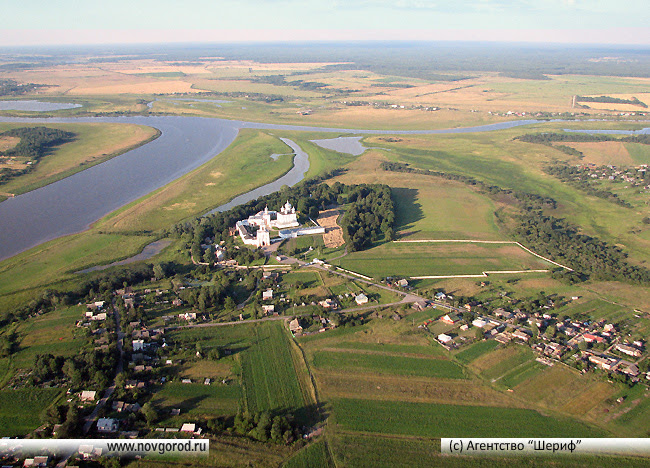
[265, 221]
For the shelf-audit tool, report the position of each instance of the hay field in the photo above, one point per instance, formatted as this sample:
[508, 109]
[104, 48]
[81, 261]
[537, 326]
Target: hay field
[333, 236]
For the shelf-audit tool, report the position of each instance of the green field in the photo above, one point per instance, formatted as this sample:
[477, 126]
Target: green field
[356, 450]
[20, 409]
[51, 333]
[314, 455]
[387, 364]
[521, 356]
[433, 420]
[308, 279]
[437, 259]
[197, 401]
[467, 355]
[270, 380]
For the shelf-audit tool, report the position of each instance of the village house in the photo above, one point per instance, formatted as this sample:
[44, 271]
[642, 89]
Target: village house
[629, 350]
[107, 425]
[267, 295]
[591, 338]
[520, 335]
[88, 395]
[295, 327]
[328, 304]
[268, 309]
[450, 319]
[603, 362]
[445, 339]
[40, 461]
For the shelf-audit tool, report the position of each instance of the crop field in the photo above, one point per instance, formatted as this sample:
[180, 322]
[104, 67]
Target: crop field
[434, 259]
[436, 420]
[639, 153]
[357, 450]
[605, 153]
[20, 409]
[387, 364]
[94, 143]
[196, 400]
[333, 383]
[314, 455]
[270, 380]
[234, 337]
[520, 374]
[596, 309]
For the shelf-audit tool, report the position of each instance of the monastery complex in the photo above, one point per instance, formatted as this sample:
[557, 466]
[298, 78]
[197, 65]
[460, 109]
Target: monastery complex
[284, 220]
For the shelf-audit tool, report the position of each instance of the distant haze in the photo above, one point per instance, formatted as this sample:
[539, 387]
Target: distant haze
[39, 22]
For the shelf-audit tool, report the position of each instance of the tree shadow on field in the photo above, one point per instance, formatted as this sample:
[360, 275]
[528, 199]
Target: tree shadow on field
[408, 209]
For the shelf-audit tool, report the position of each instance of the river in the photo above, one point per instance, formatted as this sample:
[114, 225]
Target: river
[71, 205]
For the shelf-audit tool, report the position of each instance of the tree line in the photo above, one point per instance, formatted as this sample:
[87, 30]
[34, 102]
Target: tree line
[13, 88]
[525, 199]
[548, 138]
[612, 100]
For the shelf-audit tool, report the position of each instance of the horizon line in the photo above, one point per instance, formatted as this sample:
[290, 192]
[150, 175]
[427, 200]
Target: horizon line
[637, 37]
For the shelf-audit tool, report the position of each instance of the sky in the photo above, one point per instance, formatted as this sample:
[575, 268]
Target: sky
[55, 22]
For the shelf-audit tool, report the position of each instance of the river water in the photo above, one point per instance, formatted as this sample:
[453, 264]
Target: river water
[72, 204]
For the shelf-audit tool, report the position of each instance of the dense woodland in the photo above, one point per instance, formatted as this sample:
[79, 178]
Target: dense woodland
[553, 237]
